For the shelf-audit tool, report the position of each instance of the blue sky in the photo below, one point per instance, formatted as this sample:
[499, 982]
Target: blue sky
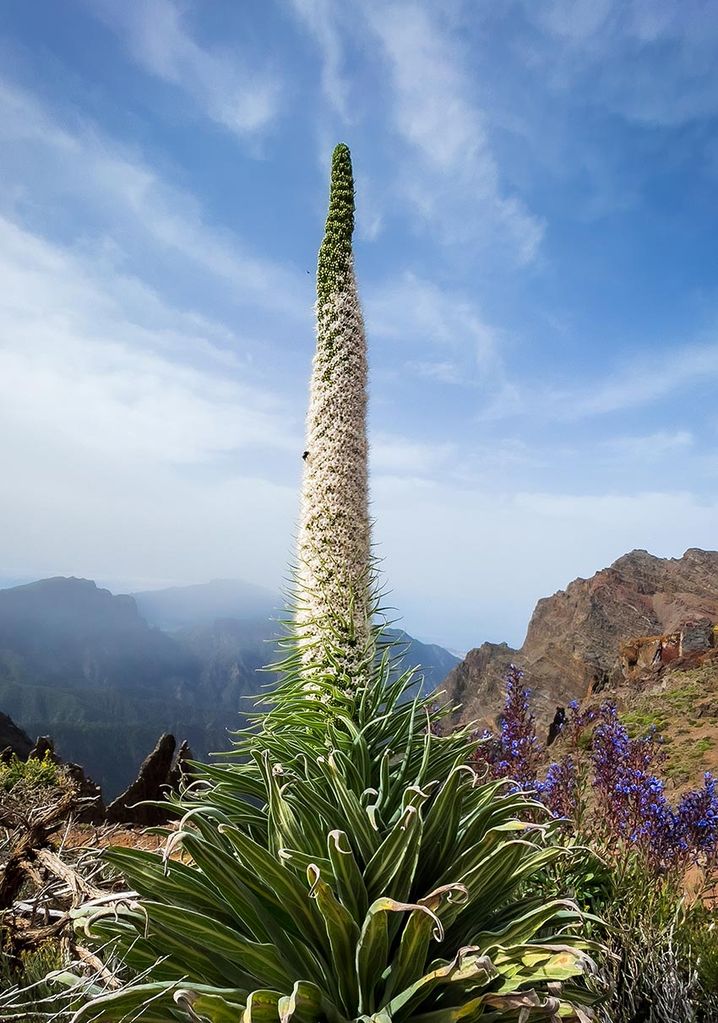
[536, 251]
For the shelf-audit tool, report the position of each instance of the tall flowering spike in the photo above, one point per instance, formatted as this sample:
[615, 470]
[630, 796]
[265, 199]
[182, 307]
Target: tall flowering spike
[334, 574]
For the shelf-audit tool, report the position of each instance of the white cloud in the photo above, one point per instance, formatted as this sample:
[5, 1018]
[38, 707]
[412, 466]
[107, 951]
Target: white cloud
[94, 519]
[54, 161]
[370, 208]
[444, 372]
[140, 437]
[402, 456]
[419, 312]
[319, 16]
[650, 448]
[631, 384]
[653, 63]
[448, 173]
[451, 176]
[136, 444]
[242, 96]
[646, 379]
[147, 385]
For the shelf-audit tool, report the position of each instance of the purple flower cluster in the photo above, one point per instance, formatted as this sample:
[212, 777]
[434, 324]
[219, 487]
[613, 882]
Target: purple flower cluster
[613, 791]
[631, 795]
[560, 790]
[698, 815]
[516, 751]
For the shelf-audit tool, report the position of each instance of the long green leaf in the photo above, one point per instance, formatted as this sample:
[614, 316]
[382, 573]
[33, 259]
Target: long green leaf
[215, 1007]
[151, 1003]
[402, 884]
[527, 926]
[386, 862]
[469, 967]
[423, 924]
[371, 954]
[343, 935]
[364, 835]
[170, 882]
[260, 960]
[441, 822]
[262, 1007]
[307, 1004]
[349, 879]
[291, 892]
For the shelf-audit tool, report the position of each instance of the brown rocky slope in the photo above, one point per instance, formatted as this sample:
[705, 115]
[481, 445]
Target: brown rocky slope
[573, 644]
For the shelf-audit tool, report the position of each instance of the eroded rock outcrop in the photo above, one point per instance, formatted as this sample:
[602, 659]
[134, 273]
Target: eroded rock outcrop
[13, 739]
[149, 784]
[573, 642]
[160, 773]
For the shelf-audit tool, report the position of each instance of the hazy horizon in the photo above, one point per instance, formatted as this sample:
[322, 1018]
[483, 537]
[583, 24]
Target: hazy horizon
[135, 586]
[144, 586]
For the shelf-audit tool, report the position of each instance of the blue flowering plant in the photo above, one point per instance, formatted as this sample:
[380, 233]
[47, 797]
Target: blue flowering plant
[605, 783]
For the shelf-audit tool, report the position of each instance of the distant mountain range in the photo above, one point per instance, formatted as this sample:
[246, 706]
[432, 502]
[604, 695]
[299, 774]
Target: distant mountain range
[179, 606]
[105, 674]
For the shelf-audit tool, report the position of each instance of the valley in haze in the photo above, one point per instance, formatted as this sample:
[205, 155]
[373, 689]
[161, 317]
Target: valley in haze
[106, 674]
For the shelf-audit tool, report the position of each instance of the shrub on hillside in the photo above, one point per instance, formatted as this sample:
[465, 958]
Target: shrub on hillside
[32, 773]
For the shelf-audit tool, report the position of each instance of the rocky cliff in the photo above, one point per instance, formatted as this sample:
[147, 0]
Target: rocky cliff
[573, 642]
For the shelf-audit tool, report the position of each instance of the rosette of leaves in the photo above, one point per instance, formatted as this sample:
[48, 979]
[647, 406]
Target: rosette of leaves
[355, 885]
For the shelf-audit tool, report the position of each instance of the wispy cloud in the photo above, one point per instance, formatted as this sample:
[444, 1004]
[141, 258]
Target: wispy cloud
[229, 86]
[428, 316]
[128, 390]
[642, 381]
[403, 456]
[136, 444]
[653, 63]
[149, 382]
[320, 18]
[448, 175]
[60, 162]
[630, 384]
[652, 447]
[452, 176]
[443, 371]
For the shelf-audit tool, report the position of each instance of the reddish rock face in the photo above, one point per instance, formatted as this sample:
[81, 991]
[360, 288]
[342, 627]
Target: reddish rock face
[572, 643]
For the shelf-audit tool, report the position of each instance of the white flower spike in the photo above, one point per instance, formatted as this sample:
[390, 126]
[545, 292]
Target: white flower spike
[334, 573]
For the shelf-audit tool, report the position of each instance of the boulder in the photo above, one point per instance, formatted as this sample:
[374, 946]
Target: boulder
[696, 637]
